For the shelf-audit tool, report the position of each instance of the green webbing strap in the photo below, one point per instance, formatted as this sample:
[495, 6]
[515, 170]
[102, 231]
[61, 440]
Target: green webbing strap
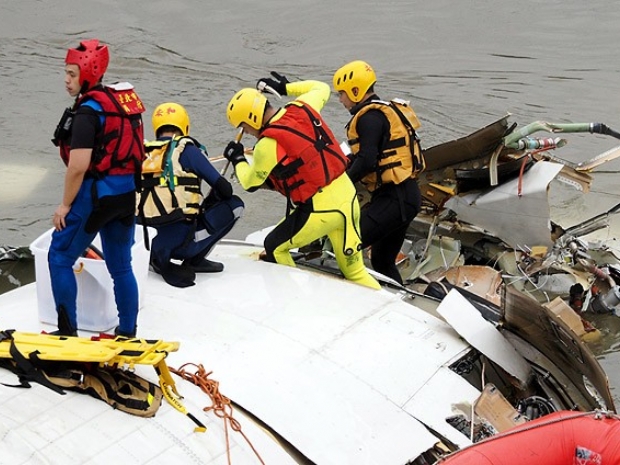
[168, 171]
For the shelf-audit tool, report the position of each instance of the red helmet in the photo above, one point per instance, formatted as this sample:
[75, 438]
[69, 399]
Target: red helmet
[92, 58]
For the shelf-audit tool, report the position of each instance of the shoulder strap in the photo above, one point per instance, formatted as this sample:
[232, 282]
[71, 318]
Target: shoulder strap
[168, 171]
[26, 369]
[121, 389]
[419, 163]
[321, 140]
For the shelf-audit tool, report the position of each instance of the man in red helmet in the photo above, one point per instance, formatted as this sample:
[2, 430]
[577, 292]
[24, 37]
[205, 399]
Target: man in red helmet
[101, 143]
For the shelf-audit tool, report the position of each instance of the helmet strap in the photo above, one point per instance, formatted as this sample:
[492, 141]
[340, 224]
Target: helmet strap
[84, 88]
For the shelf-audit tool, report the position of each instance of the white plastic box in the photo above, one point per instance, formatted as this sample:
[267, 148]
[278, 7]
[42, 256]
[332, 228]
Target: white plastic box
[96, 308]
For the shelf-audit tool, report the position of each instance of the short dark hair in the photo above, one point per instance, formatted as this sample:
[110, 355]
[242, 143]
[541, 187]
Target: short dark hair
[168, 128]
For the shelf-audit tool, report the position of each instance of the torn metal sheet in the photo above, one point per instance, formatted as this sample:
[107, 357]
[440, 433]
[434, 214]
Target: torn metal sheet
[503, 212]
[481, 334]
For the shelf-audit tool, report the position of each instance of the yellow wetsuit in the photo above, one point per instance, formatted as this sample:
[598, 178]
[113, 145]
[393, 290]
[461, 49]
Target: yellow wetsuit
[333, 211]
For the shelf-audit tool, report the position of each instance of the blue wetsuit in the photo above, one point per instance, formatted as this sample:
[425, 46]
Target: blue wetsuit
[111, 213]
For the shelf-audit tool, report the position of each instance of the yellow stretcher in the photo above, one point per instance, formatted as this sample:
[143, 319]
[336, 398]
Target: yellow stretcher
[118, 352]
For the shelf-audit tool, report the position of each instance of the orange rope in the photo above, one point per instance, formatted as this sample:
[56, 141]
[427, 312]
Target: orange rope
[530, 155]
[221, 405]
[521, 171]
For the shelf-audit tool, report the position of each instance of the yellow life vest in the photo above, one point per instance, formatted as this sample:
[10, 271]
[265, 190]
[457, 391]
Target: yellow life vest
[168, 193]
[401, 157]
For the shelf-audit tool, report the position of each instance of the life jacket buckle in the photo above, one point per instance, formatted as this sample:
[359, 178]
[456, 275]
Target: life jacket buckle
[163, 181]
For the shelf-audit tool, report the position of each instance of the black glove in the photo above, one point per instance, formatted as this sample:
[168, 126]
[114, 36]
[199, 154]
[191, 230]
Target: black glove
[234, 152]
[223, 188]
[278, 84]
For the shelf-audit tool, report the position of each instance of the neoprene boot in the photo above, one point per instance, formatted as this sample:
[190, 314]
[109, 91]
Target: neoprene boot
[205, 266]
[175, 275]
[65, 328]
[117, 332]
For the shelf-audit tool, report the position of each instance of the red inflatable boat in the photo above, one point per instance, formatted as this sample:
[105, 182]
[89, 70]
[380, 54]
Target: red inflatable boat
[560, 438]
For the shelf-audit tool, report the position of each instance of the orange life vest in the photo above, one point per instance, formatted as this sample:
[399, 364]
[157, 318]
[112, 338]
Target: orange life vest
[310, 157]
[401, 157]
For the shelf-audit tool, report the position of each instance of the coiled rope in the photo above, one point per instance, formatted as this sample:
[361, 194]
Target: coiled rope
[221, 405]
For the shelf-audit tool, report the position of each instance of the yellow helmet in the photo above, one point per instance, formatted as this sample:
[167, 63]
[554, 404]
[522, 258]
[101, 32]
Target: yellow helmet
[247, 106]
[355, 74]
[171, 114]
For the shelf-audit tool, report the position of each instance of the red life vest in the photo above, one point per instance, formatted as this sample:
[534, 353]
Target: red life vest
[119, 146]
[310, 157]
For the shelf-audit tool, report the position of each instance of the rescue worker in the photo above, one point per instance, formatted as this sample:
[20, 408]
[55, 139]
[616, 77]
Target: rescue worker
[386, 158]
[100, 140]
[171, 200]
[297, 155]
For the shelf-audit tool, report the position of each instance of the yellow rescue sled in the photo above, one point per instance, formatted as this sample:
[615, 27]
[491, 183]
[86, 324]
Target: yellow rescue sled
[30, 349]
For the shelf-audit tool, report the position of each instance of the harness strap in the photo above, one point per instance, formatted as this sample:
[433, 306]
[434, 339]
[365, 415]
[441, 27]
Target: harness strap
[178, 181]
[321, 142]
[26, 370]
[415, 141]
[387, 166]
[394, 144]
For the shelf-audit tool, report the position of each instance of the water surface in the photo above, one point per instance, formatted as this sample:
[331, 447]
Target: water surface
[462, 64]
